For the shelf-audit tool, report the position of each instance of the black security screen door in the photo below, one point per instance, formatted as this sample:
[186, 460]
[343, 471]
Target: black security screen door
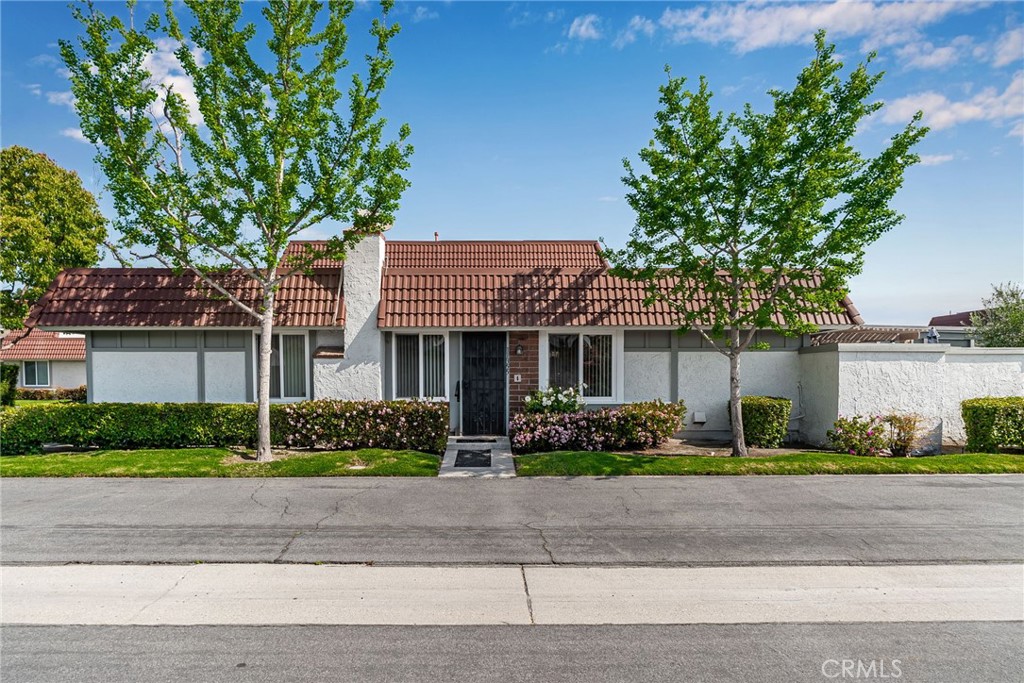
[483, 382]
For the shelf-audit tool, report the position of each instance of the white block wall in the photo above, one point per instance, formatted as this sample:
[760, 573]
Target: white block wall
[647, 376]
[224, 376]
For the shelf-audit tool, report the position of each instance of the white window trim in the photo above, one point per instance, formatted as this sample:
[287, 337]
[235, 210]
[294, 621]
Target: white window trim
[419, 344]
[305, 365]
[618, 360]
[24, 375]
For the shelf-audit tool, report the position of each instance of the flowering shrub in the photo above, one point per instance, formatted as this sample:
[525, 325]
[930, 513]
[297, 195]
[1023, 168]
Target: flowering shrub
[343, 425]
[637, 425]
[859, 435]
[904, 433]
[554, 400]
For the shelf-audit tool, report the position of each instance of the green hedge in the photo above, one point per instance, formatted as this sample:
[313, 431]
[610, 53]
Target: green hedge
[765, 420]
[993, 423]
[331, 424]
[61, 394]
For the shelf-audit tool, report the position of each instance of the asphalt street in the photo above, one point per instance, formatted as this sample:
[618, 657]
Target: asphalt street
[699, 521]
[910, 652]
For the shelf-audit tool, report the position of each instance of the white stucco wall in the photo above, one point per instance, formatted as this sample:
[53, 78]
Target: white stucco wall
[647, 376]
[928, 379]
[224, 375]
[704, 383]
[145, 376]
[358, 376]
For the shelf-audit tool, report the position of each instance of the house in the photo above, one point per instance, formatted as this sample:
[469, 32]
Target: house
[48, 360]
[954, 328]
[478, 323]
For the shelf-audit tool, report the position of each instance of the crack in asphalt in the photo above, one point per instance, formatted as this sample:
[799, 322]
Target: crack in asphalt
[252, 496]
[317, 523]
[529, 599]
[543, 541]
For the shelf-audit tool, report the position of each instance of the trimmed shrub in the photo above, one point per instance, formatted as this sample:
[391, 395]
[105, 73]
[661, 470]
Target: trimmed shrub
[8, 383]
[859, 435]
[904, 433]
[765, 420]
[178, 425]
[993, 423]
[78, 394]
[342, 425]
[554, 400]
[636, 425]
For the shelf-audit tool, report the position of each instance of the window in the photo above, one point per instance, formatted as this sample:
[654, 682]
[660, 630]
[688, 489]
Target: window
[287, 365]
[420, 370]
[37, 373]
[581, 358]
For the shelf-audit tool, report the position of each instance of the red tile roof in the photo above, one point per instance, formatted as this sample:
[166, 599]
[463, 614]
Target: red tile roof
[299, 247]
[961, 319]
[487, 255]
[868, 335]
[156, 297]
[468, 296]
[36, 344]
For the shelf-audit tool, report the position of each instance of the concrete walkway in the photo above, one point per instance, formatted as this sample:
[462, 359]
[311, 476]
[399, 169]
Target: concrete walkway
[498, 448]
[352, 594]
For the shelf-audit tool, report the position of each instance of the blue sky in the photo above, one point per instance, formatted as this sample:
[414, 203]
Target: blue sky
[522, 112]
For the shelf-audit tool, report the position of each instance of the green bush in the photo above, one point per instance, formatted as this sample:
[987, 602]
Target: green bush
[635, 425]
[178, 425]
[765, 420]
[61, 394]
[993, 423]
[397, 425]
[859, 435]
[8, 383]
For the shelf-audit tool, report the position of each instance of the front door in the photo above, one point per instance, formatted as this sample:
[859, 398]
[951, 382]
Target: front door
[483, 382]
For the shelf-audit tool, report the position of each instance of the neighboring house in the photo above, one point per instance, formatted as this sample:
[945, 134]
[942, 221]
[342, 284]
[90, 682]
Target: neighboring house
[48, 360]
[480, 324]
[954, 328]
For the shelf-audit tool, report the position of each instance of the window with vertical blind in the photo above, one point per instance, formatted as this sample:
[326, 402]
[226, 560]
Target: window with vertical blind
[420, 370]
[288, 366]
[581, 359]
[37, 373]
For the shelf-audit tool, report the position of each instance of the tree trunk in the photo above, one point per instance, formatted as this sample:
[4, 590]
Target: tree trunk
[263, 452]
[739, 443]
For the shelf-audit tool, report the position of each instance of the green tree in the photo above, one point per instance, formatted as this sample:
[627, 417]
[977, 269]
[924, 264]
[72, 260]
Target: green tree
[1001, 323]
[260, 154]
[750, 220]
[48, 222]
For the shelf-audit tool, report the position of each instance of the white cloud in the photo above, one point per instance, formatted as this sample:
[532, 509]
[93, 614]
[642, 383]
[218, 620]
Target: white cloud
[44, 60]
[168, 74]
[34, 88]
[637, 25]
[925, 55]
[559, 48]
[63, 98]
[1017, 131]
[423, 14]
[754, 25]
[940, 112]
[75, 134]
[585, 27]
[1009, 48]
[607, 198]
[935, 159]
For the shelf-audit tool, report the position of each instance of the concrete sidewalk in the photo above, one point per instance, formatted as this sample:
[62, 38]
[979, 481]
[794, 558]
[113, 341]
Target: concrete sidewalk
[350, 594]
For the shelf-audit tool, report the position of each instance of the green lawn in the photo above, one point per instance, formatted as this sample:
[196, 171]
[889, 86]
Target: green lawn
[210, 462]
[583, 463]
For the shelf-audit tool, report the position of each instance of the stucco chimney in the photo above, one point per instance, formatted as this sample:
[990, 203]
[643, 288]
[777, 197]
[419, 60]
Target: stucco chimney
[359, 375]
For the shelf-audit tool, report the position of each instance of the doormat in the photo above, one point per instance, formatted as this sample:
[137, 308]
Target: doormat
[473, 458]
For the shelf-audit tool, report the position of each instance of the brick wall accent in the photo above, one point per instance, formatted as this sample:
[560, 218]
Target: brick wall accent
[525, 365]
